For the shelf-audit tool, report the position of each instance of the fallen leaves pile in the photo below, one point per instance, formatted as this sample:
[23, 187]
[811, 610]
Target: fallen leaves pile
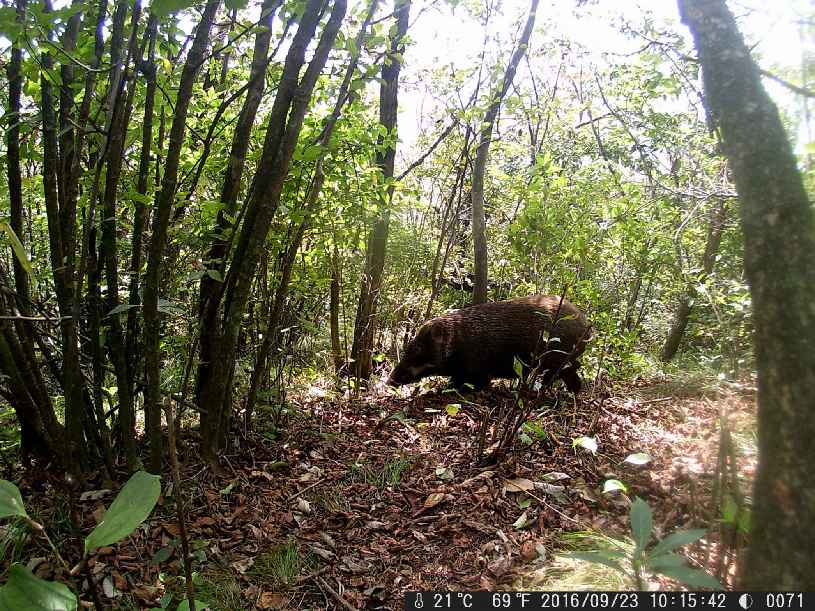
[353, 503]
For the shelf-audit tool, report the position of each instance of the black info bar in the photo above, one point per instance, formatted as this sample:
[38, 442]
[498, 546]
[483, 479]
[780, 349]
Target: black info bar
[511, 601]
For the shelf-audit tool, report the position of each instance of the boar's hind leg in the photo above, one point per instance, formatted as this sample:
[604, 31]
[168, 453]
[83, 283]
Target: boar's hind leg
[570, 377]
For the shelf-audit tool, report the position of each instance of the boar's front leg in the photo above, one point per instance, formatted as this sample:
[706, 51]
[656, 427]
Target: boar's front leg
[570, 377]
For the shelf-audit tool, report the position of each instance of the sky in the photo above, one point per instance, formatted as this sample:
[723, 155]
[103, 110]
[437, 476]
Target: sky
[444, 36]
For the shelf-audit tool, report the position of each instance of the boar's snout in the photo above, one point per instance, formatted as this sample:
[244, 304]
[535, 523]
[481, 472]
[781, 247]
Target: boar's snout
[398, 377]
[393, 379]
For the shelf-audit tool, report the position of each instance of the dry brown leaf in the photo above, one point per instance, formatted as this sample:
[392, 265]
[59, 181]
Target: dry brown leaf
[271, 600]
[529, 551]
[519, 484]
[434, 499]
[120, 582]
[171, 528]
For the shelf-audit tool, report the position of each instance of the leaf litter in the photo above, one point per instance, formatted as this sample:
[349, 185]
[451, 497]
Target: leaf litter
[368, 507]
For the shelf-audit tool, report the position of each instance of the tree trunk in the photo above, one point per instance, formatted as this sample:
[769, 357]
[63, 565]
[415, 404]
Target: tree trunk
[269, 348]
[480, 165]
[142, 187]
[211, 289]
[285, 122]
[683, 310]
[365, 322]
[334, 310]
[62, 267]
[158, 239]
[779, 239]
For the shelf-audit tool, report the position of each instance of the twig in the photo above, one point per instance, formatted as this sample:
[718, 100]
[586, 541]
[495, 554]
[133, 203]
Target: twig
[655, 400]
[324, 586]
[179, 502]
[553, 508]
[306, 489]
[304, 578]
[429, 151]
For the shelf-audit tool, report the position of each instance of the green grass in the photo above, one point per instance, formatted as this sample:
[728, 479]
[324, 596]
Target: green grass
[331, 499]
[280, 566]
[390, 474]
[14, 537]
[220, 587]
[395, 468]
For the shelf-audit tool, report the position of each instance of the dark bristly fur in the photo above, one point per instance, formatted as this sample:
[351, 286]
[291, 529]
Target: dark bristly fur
[476, 344]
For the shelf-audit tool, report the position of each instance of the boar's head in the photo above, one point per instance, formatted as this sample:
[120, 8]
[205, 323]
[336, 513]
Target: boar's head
[424, 356]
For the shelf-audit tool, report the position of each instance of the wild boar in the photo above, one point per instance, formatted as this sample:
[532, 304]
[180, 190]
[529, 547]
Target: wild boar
[478, 343]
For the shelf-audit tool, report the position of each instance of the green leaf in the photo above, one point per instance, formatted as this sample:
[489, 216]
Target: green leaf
[11, 502]
[522, 521]
[130, 508]
[9, 27]
[587, 443]
[168, 307]
[729, 510]
[19, 250]
[122, 307]
[677, 539]
[25, 591]
[453, 408]
[236, 4]
[640, 458]
[215, 275]
[691, 577]
[612, 485]
[162, 8]
[162, 555]
[597, 558]
[199, 605]
[641, 523]
[665, 561]
[744, 522]
[518, 366]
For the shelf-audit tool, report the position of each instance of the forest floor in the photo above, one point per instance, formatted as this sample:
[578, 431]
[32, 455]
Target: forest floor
[346, 509]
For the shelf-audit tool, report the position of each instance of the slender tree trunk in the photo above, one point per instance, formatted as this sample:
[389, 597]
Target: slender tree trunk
[211, 289]
[779, 239]
[15, 189]
[685, 306]
[337, 356]
[480, 166]
[271, 337]
[285, 122]
[62, 267]
[140, 221]
[158, 239]
[122, 104]
[365, 322]
[16, 208]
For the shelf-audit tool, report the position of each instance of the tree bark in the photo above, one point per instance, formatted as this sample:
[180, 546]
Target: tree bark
[365, 321]
[62, 262]
[480, 166]
[285, 122]
[142, 187]
[158, 239]
[334, 310]
[211, 289]
[779, 239]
